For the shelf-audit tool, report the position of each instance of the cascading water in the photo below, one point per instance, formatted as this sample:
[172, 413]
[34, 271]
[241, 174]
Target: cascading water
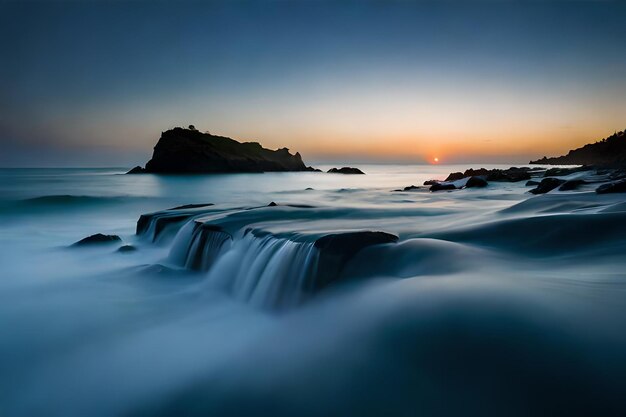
[198, 245]
[266, 271]
[160, 226]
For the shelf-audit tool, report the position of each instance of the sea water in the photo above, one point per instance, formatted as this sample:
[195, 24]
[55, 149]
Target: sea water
[493, 302]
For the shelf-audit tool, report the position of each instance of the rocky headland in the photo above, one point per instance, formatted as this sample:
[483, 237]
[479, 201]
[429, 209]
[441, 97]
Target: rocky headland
[608, 152]
[189, 151]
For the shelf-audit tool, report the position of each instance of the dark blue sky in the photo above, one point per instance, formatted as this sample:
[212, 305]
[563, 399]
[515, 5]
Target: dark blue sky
[94, 83]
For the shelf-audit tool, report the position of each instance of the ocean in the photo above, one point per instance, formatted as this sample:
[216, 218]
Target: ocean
[491, 302]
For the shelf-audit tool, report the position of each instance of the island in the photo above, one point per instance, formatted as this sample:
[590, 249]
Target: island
[346, 170]
[608, 152]
[189, 151]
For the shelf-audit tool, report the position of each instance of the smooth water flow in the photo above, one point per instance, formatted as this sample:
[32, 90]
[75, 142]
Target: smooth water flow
[486, 301]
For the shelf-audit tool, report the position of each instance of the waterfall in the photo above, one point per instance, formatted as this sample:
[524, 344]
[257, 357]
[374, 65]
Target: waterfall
[161, 225]
[198, 245]
[266, 271]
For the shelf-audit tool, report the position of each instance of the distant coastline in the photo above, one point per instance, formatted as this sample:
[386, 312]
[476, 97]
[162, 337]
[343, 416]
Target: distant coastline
[608, 152]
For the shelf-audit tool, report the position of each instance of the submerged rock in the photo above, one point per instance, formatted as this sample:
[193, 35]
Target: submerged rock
[532, 183]
[126, 249]
[559, 172]
[136, 170]
[336, 249]
[571, 185]
[345, 170]
[191, 206]
[188, 151]
[97, 238]
[546, 185]
[612, 187]
[272, 204]
[442, 187]
[476, 182]
[410, 188]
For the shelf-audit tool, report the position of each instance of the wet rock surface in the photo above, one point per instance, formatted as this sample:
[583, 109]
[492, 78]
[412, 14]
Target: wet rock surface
[572, 185]
[476, 182]
[442, 187]
[612, 187]
[547, 185]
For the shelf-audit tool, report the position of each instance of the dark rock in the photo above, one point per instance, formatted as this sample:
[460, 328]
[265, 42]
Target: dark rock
[571, 185]
[476, 182]
[531, 183]
[559, 172]
[308, 189]
[191, 206]
[188, 151]
[336, 249]
[610, 151]
[546, 185]
[96, 239]
[136, 170]
[617, 174]
[442, 187]
[272, 204]
[455, 176]
[345, 170]
[411, 188]
[476, 172]
[512, 174]
[431, 182]
[126, 249]
[509, 175]
[612, 187]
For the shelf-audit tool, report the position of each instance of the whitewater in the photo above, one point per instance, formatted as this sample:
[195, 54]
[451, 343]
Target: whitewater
[344, 297]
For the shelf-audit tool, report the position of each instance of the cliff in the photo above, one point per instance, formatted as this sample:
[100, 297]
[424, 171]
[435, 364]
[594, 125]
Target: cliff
[610, 152]
[188, 151]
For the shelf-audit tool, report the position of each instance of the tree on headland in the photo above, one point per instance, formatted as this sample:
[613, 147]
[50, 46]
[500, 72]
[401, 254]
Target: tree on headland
[192, 127]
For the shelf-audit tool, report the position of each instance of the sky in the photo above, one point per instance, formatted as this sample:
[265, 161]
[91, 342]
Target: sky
[94, 83]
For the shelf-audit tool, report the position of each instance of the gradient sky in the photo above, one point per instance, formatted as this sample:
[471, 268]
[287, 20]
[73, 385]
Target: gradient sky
[94, 83]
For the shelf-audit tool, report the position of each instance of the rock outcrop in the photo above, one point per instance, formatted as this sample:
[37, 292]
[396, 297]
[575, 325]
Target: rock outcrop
[188, 151]
[476, 182]
[572, 185]
[610, 151]
[442, 187]
[612, 187]
[345, 170]
[547, 185]
[336, 249]
[512, 174]
[96, 239]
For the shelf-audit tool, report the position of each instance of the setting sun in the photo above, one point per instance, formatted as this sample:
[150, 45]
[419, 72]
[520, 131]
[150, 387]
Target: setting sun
[435, 159]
